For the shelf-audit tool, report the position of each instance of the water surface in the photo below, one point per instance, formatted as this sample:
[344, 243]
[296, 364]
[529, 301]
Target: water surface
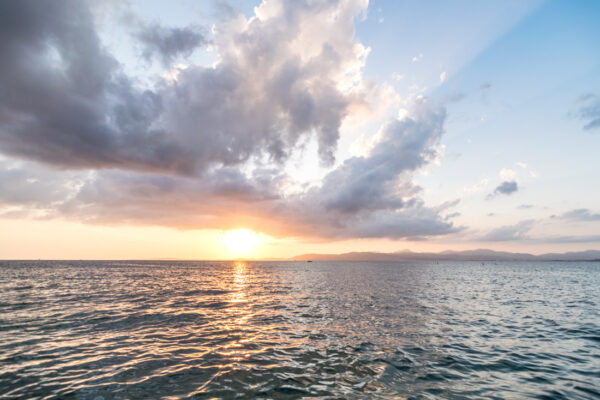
[287, 330]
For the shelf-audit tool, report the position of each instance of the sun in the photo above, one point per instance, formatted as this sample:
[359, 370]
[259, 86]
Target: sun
[240, 242]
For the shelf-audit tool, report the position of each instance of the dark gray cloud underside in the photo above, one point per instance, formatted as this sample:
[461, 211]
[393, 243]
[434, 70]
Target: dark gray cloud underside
[168, 44]
[506, 187]
[66, 101]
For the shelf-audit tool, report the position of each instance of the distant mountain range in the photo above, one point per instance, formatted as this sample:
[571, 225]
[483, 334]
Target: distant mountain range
[468, 255]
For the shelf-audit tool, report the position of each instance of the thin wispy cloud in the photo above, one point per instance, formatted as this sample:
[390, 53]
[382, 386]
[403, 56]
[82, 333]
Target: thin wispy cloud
[518, 231]
[581, 214]
[589, 111]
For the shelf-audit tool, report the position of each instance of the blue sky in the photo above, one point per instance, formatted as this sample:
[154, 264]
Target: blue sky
[375, 125]
[520, 69]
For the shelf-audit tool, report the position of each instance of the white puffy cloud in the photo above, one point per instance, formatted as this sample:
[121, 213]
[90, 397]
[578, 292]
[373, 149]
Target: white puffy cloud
[507, 174]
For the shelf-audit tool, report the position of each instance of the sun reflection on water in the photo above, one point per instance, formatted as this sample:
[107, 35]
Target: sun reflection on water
[239, 282]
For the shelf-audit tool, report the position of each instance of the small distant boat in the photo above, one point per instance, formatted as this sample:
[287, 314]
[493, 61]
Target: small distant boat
[308, 260]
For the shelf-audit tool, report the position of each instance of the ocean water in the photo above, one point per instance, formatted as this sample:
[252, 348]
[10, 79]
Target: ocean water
[291, 330]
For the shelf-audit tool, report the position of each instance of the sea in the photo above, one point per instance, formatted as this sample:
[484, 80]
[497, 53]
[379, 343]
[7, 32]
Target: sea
[297, 330]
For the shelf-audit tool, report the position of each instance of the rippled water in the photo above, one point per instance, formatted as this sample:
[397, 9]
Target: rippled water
[103, 330]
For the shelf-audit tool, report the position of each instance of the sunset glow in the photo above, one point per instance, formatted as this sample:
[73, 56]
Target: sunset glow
[317, 199]
[241, 242]
[266, 129]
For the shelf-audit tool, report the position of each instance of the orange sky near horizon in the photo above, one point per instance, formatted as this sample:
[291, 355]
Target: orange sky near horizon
[58, 239]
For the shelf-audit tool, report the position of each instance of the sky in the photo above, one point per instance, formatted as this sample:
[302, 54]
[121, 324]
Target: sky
[265, 129]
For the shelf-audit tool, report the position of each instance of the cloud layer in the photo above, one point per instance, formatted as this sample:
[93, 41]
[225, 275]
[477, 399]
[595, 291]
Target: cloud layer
[581, 214]
[207, 149]
[280, 77]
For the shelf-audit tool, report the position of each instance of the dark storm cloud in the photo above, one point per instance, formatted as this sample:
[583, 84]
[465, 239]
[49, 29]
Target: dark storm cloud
[589, 111]
[168, 44]
[510, 232]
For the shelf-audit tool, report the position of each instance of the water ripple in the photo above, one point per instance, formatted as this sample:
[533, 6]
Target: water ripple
[194, 330]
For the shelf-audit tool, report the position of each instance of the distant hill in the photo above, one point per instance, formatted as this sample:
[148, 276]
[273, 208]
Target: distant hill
[468, 255]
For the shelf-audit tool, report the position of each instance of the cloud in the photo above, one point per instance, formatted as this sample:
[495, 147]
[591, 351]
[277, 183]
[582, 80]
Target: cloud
[477, 187]
[484, 89]
[64, 100]
[589, 111]
[442, 77]
[510, 232]
[367, 196]
[35, 186]
[168, 44]
[286, 74]
[525, 206]
[507, 174]
[375, 193]
[223, 10]
[417, 57]
[581, 214]
[520, 232]
[207, 148]
[404, 145]
[506, 187]
[453, 97]
[571, 239]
